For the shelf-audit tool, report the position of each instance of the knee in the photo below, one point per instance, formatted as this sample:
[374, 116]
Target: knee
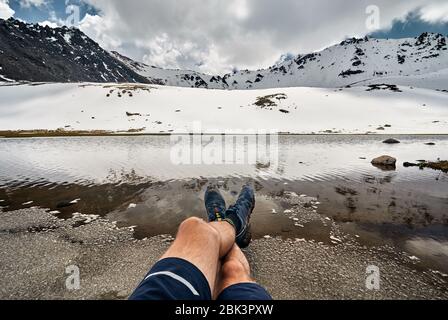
[192, 224]
[198, 227]
[234, 268]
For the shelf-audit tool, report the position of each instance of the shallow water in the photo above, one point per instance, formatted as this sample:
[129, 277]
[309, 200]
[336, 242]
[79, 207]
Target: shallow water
[406, 207]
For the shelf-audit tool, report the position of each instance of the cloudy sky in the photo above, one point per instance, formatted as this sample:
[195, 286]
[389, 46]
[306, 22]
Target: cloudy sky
[216, 36]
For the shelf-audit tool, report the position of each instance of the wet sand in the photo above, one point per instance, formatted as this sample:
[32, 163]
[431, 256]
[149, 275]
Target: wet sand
[36, 247]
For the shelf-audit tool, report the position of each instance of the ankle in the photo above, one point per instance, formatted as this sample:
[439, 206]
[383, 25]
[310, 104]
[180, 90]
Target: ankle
[233, 219]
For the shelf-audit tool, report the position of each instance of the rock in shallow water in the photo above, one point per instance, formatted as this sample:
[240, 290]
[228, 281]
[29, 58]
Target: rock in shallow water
[391, 141]
[410, 164]
[385, 160]
[385, 163]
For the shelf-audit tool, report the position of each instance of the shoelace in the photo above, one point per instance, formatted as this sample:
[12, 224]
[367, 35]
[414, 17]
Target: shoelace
[218, 214]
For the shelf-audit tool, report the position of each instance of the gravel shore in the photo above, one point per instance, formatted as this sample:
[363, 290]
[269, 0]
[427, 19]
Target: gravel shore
[36, 247]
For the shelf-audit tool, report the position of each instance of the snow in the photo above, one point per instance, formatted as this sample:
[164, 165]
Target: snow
[3, 78]
[432, 80]
[68, 38]
[170, 109]
[424, 59]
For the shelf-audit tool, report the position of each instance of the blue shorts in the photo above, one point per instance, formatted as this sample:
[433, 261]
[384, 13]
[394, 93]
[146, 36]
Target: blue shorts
[177, 279]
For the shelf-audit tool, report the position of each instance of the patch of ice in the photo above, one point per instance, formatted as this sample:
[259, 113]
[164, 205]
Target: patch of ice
[88, 218]
[335, 239]
[414, 258]
[440, 273]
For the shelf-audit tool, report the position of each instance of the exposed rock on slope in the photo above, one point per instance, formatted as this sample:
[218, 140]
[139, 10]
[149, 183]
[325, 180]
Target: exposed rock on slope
[35, 53]
[421, 61]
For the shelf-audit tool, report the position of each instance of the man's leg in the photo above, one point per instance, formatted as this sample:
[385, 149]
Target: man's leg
[189, 269]
[203, 244]
[235, 281]
[235, 269]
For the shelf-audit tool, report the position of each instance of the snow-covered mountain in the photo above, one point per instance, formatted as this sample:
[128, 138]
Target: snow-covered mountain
[36, 53]
[42, 54]
[421, 61]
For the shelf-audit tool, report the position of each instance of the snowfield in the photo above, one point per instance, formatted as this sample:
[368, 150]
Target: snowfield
[338, 90]
[149, 109]
[434, 80]
[350, 63]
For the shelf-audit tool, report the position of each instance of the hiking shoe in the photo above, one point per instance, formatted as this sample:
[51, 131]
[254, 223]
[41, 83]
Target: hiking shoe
[239, 216]
[215, 205]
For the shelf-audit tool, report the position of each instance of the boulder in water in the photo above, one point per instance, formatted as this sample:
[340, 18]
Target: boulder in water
[385, 163]
[391, 141]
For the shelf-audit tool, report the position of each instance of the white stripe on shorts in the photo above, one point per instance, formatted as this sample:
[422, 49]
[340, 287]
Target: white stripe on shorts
[175, 277]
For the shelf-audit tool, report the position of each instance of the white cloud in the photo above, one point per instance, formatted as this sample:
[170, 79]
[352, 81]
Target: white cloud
[98, 28]
[215, 36]
[5, 11]
[435, 13]
[32, 3]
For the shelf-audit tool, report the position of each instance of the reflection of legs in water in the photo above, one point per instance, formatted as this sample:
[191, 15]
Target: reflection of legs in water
[203, 244]
[235, 270]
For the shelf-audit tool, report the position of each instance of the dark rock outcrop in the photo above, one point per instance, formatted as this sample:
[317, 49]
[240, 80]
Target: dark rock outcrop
[31, 52]
[391, 141]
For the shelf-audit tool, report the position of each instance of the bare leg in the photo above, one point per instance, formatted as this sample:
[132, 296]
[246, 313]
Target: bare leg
[203, 244]
[235, 269]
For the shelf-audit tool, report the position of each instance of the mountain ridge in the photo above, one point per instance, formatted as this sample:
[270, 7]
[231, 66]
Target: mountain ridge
[351, 62]
[35, 53]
